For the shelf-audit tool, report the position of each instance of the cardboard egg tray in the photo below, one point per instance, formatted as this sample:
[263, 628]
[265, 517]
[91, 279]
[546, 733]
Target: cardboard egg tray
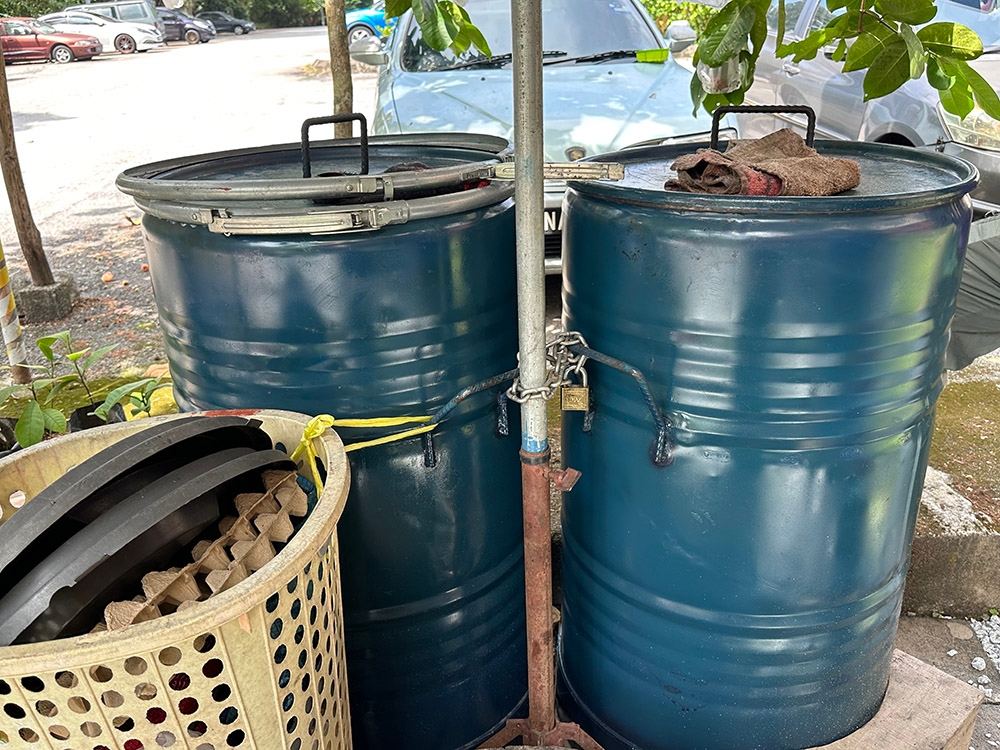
[246, 544]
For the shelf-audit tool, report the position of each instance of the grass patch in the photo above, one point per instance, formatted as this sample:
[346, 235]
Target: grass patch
[966, 442]
[71, 397]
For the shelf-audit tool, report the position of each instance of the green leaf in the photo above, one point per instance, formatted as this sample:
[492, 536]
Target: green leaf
[951, 40]
[915, 51]
[57, 385]
[30, 427]
[697, 91]
[432, 24]
[867, 47]
[10, 390]
[41, 383]
[74, 356]
[854, 23]
[985, 95]
[478, 40]
[96, 356]
[46, 343]
[958, 98]
[453, 21]
[54, 420]
[118, 394]
[807, 48]
[908, 11]
[889, 70]
[726, 33]
[835, 5]
[758, 32]
[936, 76]
[781, 23]
[396, 8]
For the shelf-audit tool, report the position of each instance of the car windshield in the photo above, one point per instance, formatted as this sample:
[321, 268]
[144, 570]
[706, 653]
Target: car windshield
[41, 27]
[574, 28]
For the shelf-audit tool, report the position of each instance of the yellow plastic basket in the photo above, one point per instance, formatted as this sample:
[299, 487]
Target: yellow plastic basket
[260, 665]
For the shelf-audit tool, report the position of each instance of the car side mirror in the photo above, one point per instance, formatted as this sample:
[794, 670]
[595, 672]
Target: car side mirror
[369, 51]
[680, 36]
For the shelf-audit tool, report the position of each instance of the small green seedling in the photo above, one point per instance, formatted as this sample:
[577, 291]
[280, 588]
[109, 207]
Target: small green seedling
[38, 416]
[139, 393]
[81, 359]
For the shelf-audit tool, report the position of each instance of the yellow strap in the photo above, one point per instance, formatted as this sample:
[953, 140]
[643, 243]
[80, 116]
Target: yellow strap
[318, 425]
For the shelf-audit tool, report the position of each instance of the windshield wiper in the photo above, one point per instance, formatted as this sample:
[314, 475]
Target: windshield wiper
[494, 61]
[616, 54]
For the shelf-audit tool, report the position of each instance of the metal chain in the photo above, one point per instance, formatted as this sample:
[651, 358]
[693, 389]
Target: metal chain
[561, 366]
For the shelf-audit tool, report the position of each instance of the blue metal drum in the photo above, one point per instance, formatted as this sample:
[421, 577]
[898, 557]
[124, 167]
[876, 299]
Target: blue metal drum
[288, 292]
[747, 594]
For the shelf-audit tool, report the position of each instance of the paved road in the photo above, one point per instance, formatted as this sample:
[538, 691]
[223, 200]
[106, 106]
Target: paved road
[79, 125]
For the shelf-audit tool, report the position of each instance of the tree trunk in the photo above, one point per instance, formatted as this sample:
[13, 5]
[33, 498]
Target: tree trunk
[27, 232]
[340, 66]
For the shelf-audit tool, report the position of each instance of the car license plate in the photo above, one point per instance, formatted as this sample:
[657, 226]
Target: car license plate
[553, 220]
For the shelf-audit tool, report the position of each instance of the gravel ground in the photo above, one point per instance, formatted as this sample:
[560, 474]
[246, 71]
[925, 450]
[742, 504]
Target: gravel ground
[120, 311]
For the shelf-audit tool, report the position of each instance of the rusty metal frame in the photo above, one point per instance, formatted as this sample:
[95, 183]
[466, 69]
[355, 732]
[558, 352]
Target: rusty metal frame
[541, 727]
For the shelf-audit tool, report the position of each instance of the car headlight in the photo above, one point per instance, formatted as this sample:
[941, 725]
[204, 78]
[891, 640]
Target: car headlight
[85, 43]
[976, 129]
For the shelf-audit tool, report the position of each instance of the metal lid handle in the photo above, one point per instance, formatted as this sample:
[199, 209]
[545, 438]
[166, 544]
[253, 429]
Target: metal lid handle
[765, 110]
[306, 161]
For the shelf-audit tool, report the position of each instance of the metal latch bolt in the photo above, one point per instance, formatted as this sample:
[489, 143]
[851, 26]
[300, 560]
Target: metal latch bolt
[568, 171]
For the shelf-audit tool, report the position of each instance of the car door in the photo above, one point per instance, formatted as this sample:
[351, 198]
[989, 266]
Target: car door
[80, 24]
[23, 42]
[11, 48]
[174, 26]
[836, 97]
[772, 74]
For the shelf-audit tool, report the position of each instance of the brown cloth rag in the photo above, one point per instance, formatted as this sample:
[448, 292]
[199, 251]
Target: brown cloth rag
[777, 164]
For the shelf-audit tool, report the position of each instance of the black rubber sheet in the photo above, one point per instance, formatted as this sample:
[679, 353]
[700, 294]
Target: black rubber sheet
[975, 329]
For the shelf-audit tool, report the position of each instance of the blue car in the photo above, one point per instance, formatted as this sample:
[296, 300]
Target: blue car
[368, 22]
[598, 96]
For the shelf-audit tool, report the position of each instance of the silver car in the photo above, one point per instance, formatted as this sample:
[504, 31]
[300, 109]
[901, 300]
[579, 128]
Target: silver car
[910, 116]
[598, 96]
[113, 34]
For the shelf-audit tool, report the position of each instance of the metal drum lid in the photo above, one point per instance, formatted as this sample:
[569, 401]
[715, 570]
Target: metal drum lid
[325, 187]
[891, 176]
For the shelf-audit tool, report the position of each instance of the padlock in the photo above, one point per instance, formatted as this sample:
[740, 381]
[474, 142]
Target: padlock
[574, 397]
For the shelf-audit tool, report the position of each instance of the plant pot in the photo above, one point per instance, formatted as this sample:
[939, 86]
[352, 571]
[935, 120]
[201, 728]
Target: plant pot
[82, 419]
[8, 441]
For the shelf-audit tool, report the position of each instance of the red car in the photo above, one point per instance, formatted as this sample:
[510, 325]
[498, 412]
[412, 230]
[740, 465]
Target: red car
[29, 39]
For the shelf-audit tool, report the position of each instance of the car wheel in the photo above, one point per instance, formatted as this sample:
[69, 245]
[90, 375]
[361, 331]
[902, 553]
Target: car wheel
[238, 30]
[894, 139]
[61, 54]
[125, 44]
[191, 36]
[356, 33]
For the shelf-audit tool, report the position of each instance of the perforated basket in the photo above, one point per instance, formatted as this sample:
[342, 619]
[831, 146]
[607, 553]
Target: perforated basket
[260, 665]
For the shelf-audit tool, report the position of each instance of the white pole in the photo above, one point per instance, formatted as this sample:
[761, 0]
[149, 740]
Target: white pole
[16, 354]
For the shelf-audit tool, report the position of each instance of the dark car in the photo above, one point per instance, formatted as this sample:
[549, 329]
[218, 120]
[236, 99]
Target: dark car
[181, 27]
[225, 22]
[28, 39]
